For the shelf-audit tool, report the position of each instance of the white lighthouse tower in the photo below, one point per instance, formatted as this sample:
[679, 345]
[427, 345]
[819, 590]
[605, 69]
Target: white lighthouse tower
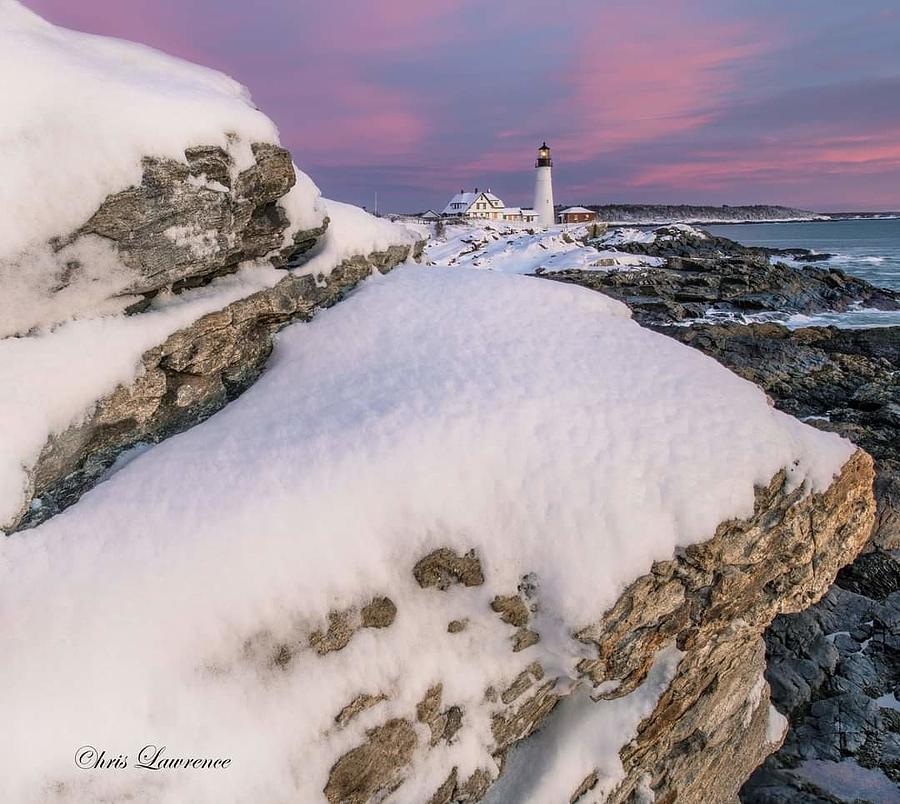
[543, 188]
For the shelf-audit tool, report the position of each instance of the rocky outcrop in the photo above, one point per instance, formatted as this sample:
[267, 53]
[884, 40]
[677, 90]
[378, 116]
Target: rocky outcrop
[833, 668]
[703, 274]
[711, 728]
[188, 222]
[689, 287]
[187, 378]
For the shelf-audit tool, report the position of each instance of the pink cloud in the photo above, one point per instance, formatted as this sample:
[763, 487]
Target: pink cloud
[641, 76]
[344, 27]
[355, 122]
[779, 163]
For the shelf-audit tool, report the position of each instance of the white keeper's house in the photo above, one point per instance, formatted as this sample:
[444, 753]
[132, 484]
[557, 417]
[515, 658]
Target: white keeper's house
[486, 206]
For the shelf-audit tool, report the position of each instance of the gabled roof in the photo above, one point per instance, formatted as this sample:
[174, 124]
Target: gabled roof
[577, 210]
[465, 201]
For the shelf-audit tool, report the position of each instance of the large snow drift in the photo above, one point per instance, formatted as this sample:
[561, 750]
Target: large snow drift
[531, 421]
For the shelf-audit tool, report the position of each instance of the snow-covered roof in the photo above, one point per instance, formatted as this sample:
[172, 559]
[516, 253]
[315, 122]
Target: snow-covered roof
[462, 202]
[459, 203]
[577, 210]
[512, 210]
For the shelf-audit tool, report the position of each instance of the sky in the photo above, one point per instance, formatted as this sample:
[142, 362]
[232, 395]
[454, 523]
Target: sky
[642, 101]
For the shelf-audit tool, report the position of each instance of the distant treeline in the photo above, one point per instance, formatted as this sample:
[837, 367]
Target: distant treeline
[665, 213]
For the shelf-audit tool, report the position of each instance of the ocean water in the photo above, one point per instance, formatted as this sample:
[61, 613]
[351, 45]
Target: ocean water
[869, 249]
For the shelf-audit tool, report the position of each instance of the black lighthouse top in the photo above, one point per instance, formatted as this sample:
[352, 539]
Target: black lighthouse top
[543, 159]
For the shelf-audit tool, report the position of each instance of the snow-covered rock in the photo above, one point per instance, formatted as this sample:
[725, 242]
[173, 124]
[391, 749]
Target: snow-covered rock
[73, 398]
[176, 217]
[449, 502]
[124, 171]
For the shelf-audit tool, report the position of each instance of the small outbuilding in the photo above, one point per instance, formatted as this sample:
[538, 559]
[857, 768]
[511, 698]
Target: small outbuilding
[577, 215]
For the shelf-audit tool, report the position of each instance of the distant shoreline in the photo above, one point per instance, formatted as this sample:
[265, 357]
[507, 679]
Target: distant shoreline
[735, 222]
[724, 215]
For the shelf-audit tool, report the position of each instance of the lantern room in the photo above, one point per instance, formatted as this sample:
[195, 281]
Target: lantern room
[543, 159]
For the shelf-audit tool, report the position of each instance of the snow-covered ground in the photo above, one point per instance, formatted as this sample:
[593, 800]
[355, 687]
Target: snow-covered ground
[617, 237]
[533, 422]
[520, 249]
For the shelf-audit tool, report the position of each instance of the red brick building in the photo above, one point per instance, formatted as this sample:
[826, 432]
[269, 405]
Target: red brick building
[577, 215]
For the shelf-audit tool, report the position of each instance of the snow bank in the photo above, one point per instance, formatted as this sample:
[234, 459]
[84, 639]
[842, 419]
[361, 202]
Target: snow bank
[618, 237]
[532, 421]
[514, 250]
[80, 112]
[304, 206]
[353, 231]
[683, 229]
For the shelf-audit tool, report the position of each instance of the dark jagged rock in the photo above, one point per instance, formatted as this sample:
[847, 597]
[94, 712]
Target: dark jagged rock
[874, 575]
[704, 274]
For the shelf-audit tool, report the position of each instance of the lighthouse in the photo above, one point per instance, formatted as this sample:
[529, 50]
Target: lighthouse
[543, 188]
